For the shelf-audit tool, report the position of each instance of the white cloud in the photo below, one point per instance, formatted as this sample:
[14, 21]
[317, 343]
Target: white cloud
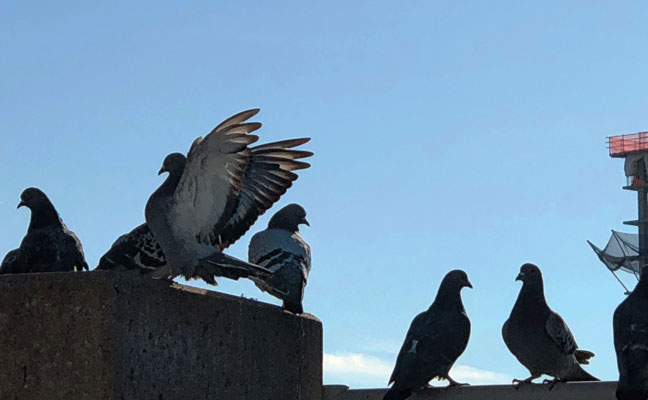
[356, 370]
[475, 376]
[361, 370]
[356, 364]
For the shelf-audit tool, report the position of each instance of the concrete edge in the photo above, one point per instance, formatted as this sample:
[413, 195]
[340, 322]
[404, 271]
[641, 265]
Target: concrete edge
[564, 391]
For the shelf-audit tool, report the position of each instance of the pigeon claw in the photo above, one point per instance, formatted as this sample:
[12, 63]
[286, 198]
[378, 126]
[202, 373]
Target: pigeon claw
[455, 383]
[519, 382]
[551, 382]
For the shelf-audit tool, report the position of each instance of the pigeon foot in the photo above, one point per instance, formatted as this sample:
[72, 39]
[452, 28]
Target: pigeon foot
[551, 382]
[455, 383]
[518, 382]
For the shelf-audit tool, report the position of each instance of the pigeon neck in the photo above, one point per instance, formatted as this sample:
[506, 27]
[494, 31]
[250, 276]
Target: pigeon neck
[44, 215]
[448, 299]
[531, 294]
[170, 184]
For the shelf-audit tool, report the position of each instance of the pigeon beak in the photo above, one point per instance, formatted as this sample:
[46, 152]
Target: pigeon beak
[22, 203]
[520, 276]
[161, 171]
[305, 222]
[468, 284]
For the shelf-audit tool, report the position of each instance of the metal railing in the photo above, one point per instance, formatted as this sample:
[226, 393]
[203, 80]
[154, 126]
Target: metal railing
[621, 145]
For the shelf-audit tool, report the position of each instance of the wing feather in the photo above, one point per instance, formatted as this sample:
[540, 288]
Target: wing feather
[560, 333]
[282, 144]
[237, 118]
[213, 176]
[266, 179]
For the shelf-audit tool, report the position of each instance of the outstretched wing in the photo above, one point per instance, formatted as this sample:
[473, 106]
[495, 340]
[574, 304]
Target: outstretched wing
[559, 332]
[267, 177]
[213, 176]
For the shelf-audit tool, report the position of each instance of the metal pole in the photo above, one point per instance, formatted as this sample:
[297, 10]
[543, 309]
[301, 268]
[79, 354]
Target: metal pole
[643, 225]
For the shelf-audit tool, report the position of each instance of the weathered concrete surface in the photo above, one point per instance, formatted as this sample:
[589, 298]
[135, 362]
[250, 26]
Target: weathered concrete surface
[562, 391]
[123, 336]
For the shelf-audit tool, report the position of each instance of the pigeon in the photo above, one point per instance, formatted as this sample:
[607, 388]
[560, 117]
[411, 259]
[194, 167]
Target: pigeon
[139, 249]
[135, 250]
[281, 249]
[434, 341]
[539, 338]
[48, 246]
[631, 342]
[213, 195]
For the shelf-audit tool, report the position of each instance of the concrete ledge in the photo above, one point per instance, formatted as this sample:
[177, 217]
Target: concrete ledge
[123, 336]
[562, 391]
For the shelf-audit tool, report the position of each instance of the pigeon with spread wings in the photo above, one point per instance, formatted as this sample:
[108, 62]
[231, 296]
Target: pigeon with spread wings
[212, 196]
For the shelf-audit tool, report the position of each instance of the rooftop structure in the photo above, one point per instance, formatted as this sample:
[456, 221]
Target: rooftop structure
[110, 336]
[627, 251]
[623, 145]
[106, 335]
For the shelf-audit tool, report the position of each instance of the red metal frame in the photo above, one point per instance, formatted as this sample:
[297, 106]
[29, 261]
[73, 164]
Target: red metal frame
[621, 145]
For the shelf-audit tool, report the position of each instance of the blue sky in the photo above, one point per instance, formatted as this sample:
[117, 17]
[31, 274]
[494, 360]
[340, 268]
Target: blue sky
[446, 134]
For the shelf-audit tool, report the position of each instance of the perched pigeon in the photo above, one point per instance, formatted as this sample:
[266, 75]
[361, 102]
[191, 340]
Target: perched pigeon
[48, 245]
[539, 338]
[136, 249]
[631, 342]
[214, 194]
[434, 341]
[281, 249]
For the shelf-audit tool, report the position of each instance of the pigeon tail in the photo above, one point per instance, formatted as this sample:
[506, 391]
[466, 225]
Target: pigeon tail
[295, 308]
[578, 374]
[394, 394]
[221, 264]
[583, 356]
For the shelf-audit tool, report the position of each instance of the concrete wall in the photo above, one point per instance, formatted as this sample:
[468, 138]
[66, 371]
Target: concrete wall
[562, 391]
[123, 336]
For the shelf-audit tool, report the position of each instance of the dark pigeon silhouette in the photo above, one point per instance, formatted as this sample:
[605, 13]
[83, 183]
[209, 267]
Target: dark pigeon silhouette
[48, 246]
[281, 249]
[631, 342]
[135, 250]
[539, 338]
[214, 194]
[434, 341]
